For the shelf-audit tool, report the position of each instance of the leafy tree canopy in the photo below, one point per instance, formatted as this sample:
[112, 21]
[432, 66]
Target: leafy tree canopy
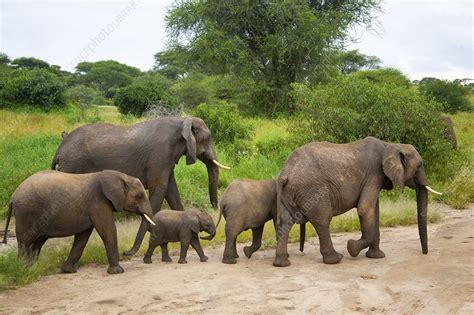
[385, 76]
[275, 43]
[29, 63]
[451, 94]
[352, 60]
[4, 59]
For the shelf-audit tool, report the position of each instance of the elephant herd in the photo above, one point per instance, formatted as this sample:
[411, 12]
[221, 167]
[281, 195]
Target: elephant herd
[102, 168]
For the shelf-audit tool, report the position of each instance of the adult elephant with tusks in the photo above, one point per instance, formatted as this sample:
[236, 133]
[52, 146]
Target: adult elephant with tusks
[148, 150]
[321, 179]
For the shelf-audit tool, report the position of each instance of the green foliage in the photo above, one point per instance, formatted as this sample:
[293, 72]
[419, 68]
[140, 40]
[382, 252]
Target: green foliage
[452, 95]
[4, 59]
[224, 122]
[350, 109]
[460, 191]
[107, 76]
[145, 91]
[194, 90]
[384, 76]
[352, 60]
[29, 63]
[37, 88]
[271, 43]
[83, 96]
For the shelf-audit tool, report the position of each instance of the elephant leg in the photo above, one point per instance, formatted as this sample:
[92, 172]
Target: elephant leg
[326, 248]
[80, 241]
[25, 252]
[165, 256]
[285, 223]
[256, 241]
[230, 250]
[104, 224]
[369, 217]
[155, 240]
[156, 200]
[197, 247]
[184, 250]
[172, 194]
[37, 246]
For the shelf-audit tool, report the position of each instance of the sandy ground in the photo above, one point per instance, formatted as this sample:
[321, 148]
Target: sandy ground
[404, 282]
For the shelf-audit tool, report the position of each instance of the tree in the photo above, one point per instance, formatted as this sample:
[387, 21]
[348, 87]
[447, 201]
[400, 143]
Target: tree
[107, 75]
[352, 60]
[83, 96]
[4, 59]
[452, 95]
[275, 43]
[384, 76]
[29, 63]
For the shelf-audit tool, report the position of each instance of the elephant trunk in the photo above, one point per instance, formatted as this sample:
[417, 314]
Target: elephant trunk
[209, 237]
[213, 175]
[422, 211]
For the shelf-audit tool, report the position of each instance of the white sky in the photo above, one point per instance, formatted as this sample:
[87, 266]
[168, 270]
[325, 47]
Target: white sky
[420, 37]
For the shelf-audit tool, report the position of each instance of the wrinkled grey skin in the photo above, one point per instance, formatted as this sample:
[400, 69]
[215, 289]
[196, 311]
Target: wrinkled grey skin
[179, 226]
[246, 204]
[148, 151]
[54, 204]
[321, 180]
[449, 133]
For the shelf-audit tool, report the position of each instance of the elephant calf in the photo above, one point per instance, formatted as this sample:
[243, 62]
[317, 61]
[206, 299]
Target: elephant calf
[54, 204]
[246, 204]
[182, 226]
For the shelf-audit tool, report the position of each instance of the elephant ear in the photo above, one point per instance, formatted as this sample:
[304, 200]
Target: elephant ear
[188, 135]
[393, 165]
[115, 188]
[191, 220]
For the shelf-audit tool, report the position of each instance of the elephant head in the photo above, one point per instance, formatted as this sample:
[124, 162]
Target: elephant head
[402, 164]
[198, 221]
[199, 146]
[126, 192]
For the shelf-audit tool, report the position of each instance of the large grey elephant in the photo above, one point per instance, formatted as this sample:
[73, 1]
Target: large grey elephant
[54, 204]
[148, 150]
[321, 180]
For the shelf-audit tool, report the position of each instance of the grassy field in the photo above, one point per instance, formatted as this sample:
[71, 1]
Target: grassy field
[28, 142]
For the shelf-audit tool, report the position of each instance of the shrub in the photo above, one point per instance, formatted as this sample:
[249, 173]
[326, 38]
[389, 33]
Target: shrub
[194, 90]
[385, 76]
[460, 191]
[224, 122]
[38, 88]
[142, 93]
[349, 109]
[452, 95]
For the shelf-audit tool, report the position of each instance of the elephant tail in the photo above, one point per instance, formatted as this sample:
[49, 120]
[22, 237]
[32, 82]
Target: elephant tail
[221, 210]
[9, 216]
[54, 162]
[302, 236]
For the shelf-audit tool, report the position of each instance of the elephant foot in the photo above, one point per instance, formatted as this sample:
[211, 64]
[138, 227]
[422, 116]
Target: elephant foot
[353, 248]
[248, 251]
[375, 253]
[281, 261]
[67, 268]
[332, 258]
[115, 269]
[130, 252]
[166, 259]
[229, 260]
[182, 261]
[203, 258]
[147, 260]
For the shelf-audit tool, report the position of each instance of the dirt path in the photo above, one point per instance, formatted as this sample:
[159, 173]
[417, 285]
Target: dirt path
[404, 282]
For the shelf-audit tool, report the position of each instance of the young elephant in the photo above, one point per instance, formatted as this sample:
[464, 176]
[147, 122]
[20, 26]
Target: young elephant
[54, 204]
[182, 226]
[246, 204]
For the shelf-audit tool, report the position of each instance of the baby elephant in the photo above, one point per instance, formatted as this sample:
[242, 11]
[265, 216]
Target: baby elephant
[54, 204]
[182, 226]
[246, 204]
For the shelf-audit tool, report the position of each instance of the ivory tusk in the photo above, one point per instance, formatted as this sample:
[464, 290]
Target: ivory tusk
[220, 165]
[148, 219]
[433, 191]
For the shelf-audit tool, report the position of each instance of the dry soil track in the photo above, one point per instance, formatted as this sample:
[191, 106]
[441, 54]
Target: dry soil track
[404, 282]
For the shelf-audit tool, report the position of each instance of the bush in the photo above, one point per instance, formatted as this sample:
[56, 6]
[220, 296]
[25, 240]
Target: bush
[38, 88]
[460, 191]
[145, 91]
[194, 90]
[452, 95]
[224, 122]
[350, 109]
[384, 76]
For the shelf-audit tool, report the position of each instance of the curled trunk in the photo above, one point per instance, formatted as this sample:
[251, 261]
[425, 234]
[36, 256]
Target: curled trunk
[422, 213]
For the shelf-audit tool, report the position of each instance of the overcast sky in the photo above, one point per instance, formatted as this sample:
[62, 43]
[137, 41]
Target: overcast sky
[420, 37]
